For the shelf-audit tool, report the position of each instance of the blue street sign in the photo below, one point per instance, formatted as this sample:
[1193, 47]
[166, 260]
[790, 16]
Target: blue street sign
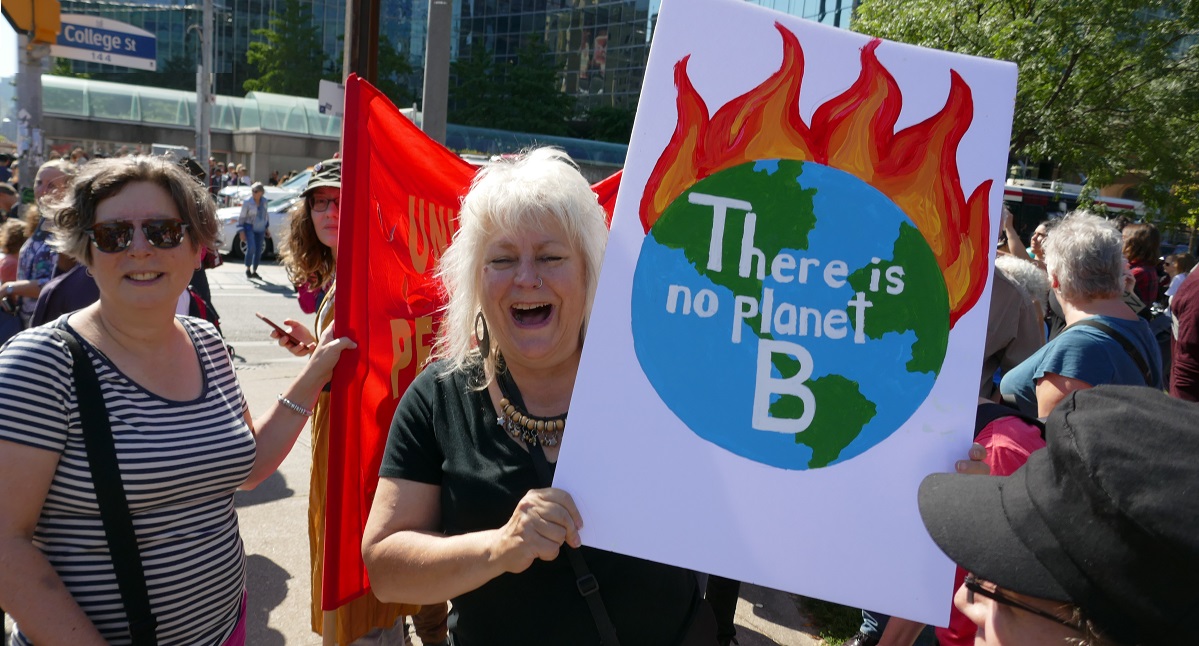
[101, 40]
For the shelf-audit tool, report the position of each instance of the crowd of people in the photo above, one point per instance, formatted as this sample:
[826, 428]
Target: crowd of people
[1084, 533]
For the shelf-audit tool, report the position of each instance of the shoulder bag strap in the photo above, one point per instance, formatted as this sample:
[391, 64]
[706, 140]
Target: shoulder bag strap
[1132, 351]
[587, 584]
[110, 495]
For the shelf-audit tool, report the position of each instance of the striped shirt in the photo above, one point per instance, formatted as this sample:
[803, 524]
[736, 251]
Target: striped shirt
[180, 463]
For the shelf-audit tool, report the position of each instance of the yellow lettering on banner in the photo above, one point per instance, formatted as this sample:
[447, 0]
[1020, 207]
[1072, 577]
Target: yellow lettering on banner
[418, 242]
[430, 240]
[402, 344]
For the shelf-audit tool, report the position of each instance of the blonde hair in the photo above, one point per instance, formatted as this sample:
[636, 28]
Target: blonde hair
[537, 189]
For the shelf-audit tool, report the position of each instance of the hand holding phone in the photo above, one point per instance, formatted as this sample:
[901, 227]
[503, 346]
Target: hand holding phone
[291, 339]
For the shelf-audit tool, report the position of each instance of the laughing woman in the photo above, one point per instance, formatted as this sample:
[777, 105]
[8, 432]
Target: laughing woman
[463, 510]
[183, 438]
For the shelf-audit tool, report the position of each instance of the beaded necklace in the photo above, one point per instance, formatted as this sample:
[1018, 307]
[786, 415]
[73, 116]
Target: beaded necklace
[513, 418]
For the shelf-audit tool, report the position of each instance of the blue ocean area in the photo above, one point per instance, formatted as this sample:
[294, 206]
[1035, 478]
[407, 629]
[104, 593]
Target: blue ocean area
[708, 381]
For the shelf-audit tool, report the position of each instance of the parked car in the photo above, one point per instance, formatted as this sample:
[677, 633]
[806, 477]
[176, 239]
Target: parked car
[233, 243]
[235, 195]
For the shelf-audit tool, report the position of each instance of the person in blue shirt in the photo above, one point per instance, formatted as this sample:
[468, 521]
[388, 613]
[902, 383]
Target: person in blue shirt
[1104, 341]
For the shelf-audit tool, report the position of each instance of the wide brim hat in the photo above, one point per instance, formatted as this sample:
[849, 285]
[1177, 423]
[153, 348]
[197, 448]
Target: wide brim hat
[1106, 517]
[326, 173]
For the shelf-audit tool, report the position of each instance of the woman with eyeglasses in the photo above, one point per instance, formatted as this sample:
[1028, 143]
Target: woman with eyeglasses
[38, 259]
[310, 256]
[1094, 541]
[183, 438]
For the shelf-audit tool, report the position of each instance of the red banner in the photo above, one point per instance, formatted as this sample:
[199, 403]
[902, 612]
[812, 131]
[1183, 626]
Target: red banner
[403, 190]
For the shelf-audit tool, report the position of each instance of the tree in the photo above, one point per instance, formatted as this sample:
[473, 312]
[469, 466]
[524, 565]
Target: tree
[394, 72]
[520, 95]
[1095, 75]
[289, 59]
[605, 123]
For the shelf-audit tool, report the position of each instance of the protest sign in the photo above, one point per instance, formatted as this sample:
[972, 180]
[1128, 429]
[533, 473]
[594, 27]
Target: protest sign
[789, 326]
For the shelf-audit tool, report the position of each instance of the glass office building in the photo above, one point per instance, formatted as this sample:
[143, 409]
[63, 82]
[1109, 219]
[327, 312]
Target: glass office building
[599, 46]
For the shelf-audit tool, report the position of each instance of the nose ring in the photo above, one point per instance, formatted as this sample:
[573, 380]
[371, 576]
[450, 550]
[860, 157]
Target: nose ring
[540, 282]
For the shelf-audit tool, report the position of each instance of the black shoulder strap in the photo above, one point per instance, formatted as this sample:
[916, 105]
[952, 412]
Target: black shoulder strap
[110, 495]
[1124, 343]
[586, 582]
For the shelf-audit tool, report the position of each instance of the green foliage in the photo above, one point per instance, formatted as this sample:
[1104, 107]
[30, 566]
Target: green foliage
[835, 623]
[520, 95]
[394, 71]
[289, 59]
[1104, 86]
[63, 67]
[604, 123]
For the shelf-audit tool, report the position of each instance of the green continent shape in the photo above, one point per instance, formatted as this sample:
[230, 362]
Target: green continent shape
[922, 307]
[833, 427]
[785, 217]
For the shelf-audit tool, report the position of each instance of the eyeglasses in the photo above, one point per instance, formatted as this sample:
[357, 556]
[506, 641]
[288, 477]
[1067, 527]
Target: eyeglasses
[117, 236]
[320, 204]
[975, 586]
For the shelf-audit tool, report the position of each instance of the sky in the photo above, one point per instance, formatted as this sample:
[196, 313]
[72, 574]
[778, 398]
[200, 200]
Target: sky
[8, 50]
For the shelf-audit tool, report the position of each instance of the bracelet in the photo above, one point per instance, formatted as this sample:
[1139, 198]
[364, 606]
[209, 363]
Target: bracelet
[306, 412]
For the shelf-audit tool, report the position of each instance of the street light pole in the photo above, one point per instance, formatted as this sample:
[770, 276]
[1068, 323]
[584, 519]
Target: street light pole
[435, 99]
[31, 148]
[204, 90]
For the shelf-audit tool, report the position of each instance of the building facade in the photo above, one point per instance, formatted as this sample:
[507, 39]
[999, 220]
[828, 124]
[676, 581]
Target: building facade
[600, 46]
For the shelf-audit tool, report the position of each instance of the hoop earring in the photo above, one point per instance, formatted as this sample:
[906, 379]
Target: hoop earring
[484, 338]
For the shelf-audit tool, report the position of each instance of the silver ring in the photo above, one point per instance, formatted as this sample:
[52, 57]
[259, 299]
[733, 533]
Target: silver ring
[540, 282]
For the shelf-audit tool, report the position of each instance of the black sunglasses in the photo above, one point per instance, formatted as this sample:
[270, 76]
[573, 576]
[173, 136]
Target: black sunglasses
[975, 586]
[116, 236]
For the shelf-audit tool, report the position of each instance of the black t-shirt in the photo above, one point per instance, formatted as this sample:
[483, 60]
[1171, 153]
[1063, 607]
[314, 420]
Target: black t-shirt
[446, 433]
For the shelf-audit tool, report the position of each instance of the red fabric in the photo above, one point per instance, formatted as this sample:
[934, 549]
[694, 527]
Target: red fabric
[1009, 441]
[404, 190]
[1144, 282]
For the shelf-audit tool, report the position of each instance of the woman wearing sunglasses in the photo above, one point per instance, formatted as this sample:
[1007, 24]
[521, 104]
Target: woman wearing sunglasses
[184, 440]
[311, 257]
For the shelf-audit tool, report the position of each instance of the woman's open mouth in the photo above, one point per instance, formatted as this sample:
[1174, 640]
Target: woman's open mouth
[531, 314]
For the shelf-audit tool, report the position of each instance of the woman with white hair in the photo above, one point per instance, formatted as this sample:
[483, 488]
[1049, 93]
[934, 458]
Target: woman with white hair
[38, 258]
[464, 509]
[1104, 341]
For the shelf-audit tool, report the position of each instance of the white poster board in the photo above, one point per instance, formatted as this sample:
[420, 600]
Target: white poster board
[796, 342]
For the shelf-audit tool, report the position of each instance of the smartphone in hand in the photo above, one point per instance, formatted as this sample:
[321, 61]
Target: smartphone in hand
[278, 329]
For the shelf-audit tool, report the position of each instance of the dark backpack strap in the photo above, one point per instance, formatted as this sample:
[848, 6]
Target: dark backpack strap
[1132, 351]
[110, 495]
[587, 584]
[990, 412]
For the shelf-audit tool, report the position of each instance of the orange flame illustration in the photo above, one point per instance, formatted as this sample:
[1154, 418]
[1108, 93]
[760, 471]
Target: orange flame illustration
[854, 132]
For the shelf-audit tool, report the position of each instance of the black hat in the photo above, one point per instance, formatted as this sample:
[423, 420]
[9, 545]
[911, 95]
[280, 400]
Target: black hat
[326, 173]
[1106, 517]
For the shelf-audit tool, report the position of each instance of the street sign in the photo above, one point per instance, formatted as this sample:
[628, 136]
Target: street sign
[331, 98]
[101, 40]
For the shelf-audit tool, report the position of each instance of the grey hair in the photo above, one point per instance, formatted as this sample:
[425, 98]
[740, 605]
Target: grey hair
[1085, 253]
[1025, 275]
[532, 191]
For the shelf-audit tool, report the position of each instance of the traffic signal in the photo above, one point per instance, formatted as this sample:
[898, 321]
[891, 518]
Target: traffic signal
[38, 19]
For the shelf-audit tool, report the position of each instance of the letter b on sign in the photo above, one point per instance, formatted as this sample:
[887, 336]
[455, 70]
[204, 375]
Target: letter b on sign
[766, 385]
